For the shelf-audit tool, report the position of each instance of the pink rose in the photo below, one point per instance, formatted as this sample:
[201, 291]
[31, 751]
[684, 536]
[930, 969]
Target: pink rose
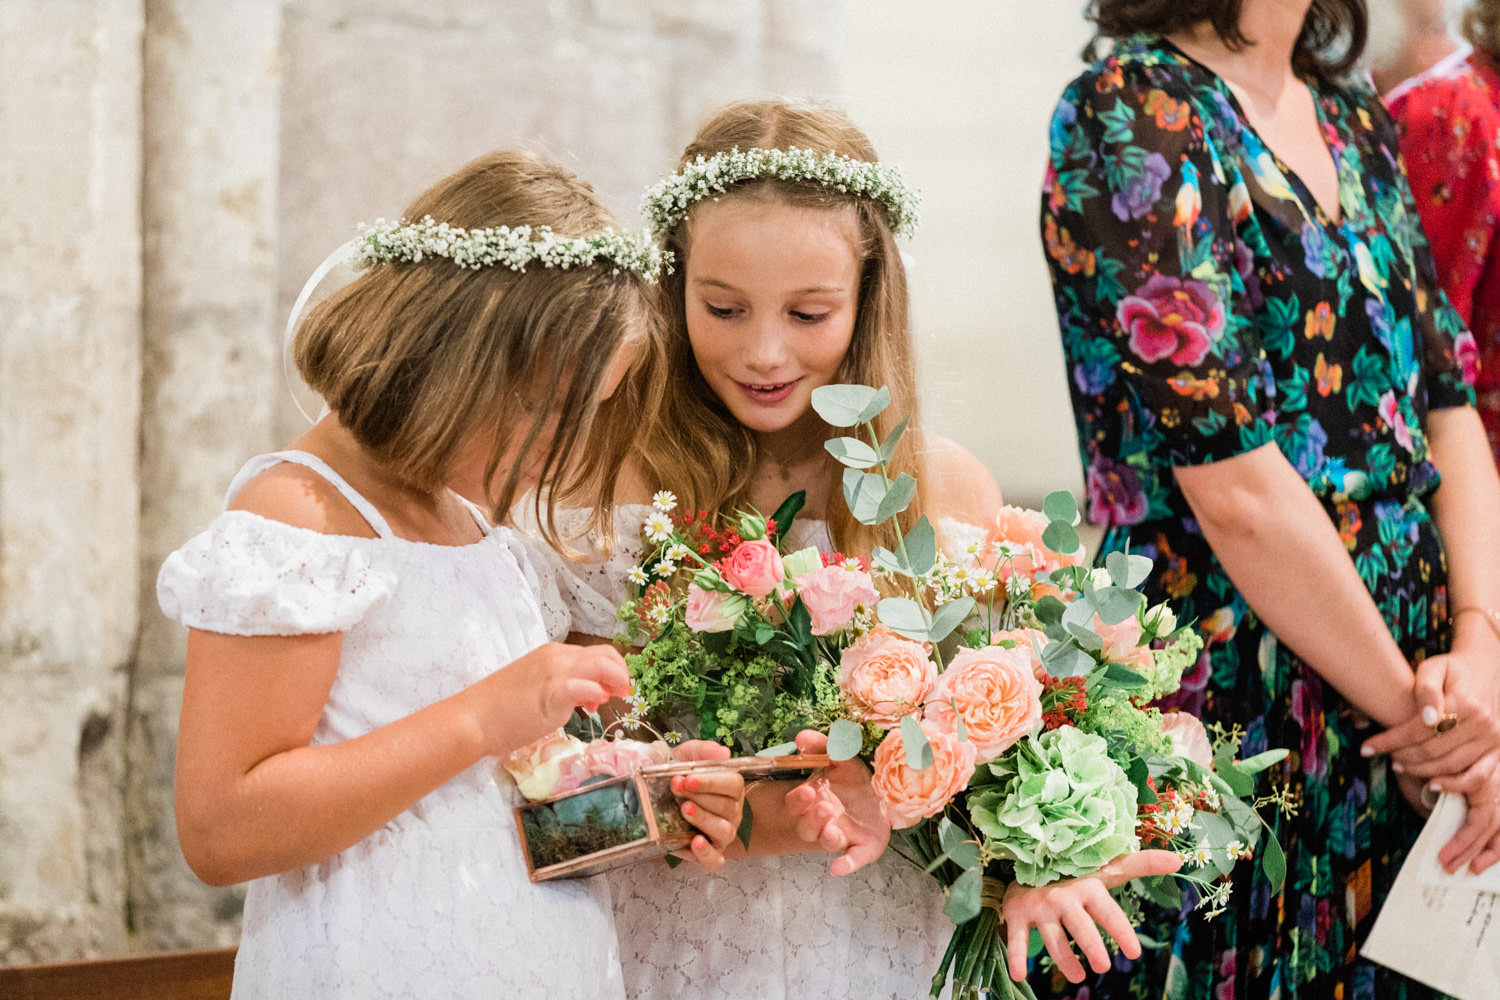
[753, 567]
[1174, 318]
[1122, 644]
[1029, 640]
[908, 795]
[831, 594]
[996, 694]
[884, 676]
[537, 768]
[712, 610]
[1189, 738]
[612, 758]
[1019, 530]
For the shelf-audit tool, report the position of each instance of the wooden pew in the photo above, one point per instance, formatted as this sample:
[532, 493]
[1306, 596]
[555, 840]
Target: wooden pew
[167, 975]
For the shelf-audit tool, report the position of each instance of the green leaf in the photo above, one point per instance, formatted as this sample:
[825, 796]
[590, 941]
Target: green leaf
[1059, 505]
[1140, 570]
[950, 834]
[897, 498]
[1049, 610]
[1162, 890]
[779, 750]
[918, 749]
[848, 405]
[948, 617]
[747, 821]
[672, 860]
[1123, 677]
[1273, 862]
[1261, 761]
[863, 492]
[904, 616]
[1115, 604]
[852, 452]
[962, 904]
[888, 446]
[1060, 538]
[787, 513]
[921, 546]
[845, 737]
[890, 561]
[1063, 659]
[1118, 565]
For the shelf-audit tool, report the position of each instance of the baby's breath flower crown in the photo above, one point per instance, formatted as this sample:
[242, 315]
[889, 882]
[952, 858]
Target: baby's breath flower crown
[668, 201]
[503, 246]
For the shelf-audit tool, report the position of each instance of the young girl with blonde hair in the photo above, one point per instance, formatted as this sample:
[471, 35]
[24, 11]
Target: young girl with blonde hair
[363, 645]
[783, 224]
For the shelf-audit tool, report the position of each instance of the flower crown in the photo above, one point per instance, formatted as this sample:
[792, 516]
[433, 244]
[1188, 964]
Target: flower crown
[515, 248]
[668, 201]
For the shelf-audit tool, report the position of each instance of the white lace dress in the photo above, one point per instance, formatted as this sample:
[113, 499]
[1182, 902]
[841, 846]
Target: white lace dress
[767, 927]
[436, 903]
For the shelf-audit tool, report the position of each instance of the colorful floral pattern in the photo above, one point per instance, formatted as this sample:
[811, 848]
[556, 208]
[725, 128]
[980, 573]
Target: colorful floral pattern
[1450, 138]
[1232, 313]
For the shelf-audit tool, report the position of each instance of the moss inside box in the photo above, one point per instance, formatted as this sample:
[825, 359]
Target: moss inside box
[596, 819]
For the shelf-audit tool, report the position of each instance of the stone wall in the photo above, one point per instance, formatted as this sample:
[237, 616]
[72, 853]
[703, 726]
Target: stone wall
[173, 171]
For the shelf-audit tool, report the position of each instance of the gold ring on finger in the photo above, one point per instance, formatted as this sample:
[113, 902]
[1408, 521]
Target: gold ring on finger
[1446, 723]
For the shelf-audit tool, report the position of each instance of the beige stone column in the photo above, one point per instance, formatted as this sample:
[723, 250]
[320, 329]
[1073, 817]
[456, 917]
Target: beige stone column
[212, 376]
[69, 399]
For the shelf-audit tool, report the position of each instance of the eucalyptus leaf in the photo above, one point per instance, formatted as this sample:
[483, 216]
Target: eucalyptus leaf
[1122, 676]
[950, 834]
[1115, 604]
[1049, 610]
[962, 904]
[779, 750]
[845, 405]
[1063, 659]
[1059, 505]
[898, 497]
[948, 617]
[845, 738]
[891, 562]
[1140, 570]
[863, 492]
[918, 748]
[1118, 565]
[921, 546]
[747, 823]
[1060, 537]
[852, 452]
[888, 446]
[876, 406]
[1273, 862]
[1261, 761]
[904, 616]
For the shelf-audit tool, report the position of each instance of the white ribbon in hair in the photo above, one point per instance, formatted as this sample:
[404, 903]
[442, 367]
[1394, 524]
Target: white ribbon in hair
[333, 260]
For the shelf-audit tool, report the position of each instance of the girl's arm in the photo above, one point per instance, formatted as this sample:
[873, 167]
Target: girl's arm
[254, 798]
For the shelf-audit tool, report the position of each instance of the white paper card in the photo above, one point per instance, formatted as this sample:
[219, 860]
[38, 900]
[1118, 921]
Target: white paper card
[1437, 928]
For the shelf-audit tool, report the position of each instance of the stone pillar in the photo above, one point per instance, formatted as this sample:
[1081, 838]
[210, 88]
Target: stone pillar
[69, 399]
[212, 378]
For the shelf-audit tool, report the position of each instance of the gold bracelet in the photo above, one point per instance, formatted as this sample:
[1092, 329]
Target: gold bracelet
[1491, 616]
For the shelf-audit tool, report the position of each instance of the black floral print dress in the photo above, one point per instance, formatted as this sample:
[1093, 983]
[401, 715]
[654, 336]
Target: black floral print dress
[1209, 306]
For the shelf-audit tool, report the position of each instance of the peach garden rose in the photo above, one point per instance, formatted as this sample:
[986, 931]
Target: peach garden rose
[996, 694]
[884, 677]
[909, 795]
[754, 567]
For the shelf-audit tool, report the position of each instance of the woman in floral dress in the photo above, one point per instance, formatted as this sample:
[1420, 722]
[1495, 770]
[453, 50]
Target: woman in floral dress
[1265, 388]
[1450, 138]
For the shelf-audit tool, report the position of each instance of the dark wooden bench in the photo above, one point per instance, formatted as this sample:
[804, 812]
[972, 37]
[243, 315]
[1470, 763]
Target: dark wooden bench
[166, 975]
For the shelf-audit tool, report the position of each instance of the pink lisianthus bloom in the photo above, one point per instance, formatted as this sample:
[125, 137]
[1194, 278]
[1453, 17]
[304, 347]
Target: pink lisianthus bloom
[712, 610]
[1122, 644]
[908, 795]
[885, 677]
[996, 694]
[832, 593]
[754, 568]
[1029, 640]
[537, 767]
[612, 758]
[1189, 738]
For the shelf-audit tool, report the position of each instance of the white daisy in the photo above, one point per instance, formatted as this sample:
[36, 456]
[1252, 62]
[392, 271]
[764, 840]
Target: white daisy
[665, 568]
[638, 576]
[664, 501]
[658, 527]
[678, 553]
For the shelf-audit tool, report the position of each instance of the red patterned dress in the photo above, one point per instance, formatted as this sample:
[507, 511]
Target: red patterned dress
[1450, 125]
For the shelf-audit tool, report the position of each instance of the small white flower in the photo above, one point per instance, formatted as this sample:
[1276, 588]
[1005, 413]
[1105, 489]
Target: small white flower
[638, 576]
[661, 613]
[1197, 857]
[664, 501]
[658, 527]
[665, 568]
[678, 553]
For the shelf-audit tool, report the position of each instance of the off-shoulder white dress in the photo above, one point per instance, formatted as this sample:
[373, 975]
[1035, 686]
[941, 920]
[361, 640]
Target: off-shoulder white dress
[437, 902]
[772, 928]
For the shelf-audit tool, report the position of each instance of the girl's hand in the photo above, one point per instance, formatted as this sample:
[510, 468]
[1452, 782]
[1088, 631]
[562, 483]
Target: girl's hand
[711, 800]
[838, 810]
[1457, 722]
[535, 694]
[1477, 842]
[1078, 907]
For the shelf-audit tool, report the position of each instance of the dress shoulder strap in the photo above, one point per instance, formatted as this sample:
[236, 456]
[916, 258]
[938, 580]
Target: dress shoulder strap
[479, 515]
[260, 463]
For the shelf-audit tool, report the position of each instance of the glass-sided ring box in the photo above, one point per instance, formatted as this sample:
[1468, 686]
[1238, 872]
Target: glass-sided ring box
[618, 821]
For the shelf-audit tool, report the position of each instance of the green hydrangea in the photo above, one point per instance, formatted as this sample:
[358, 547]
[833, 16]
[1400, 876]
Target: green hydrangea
[1117, 718]
[1060, 807]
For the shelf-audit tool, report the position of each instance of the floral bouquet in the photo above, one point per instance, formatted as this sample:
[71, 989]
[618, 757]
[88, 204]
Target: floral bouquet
[1002, 702]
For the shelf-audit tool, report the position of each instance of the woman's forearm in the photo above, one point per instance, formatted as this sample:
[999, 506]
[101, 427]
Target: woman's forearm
[1466, 508]
[1278, 546]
